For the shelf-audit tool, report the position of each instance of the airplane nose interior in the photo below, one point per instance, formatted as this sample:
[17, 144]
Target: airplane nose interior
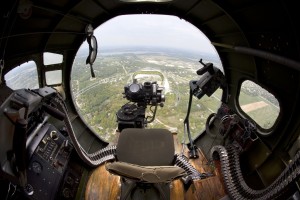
[149, 99]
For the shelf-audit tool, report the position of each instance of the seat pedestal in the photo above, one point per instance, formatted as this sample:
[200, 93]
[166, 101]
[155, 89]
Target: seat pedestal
[131, 190]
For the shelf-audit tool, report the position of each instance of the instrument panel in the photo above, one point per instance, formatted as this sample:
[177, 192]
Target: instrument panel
[37, 160]
[49, 154]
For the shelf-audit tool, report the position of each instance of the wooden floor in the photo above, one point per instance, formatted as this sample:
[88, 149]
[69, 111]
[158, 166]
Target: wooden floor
[102, 185]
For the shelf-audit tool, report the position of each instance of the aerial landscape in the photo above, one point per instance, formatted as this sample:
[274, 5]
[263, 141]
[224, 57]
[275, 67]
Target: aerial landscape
[98, 99]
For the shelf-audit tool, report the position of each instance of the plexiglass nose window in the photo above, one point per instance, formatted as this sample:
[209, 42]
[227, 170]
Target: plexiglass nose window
[156, 51]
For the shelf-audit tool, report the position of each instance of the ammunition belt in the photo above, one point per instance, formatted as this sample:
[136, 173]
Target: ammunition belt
[95, 159]
[182, 161]
[235, 183]
[105, 154]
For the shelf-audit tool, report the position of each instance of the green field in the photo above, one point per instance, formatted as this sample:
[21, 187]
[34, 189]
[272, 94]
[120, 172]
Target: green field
[265, 116]
[100, 98]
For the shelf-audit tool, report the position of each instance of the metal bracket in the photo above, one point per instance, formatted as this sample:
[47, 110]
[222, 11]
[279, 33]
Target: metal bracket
[89, 30]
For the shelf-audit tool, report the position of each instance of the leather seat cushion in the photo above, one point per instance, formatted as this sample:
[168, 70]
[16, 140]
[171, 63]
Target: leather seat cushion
[148, 174]
[146, 147]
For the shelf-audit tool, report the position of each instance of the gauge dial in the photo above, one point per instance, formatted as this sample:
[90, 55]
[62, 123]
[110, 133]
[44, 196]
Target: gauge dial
[36, 167]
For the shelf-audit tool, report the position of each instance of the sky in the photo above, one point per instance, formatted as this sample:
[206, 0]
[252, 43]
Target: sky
[152, 31]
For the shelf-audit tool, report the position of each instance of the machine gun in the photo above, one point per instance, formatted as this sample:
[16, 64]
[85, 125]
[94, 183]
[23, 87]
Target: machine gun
[211, 78]
[133, 114]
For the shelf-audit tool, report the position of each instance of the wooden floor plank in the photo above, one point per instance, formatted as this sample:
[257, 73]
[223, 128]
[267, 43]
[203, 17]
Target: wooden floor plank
[177, 190]
[104, 186]
[209, 188]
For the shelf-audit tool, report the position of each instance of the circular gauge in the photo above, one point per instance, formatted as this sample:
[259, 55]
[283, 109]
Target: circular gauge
[36, 167]
[54, 135]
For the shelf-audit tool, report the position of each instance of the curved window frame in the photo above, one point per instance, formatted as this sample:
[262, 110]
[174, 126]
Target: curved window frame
[197, 132]
[23, 66]
[261, 129]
